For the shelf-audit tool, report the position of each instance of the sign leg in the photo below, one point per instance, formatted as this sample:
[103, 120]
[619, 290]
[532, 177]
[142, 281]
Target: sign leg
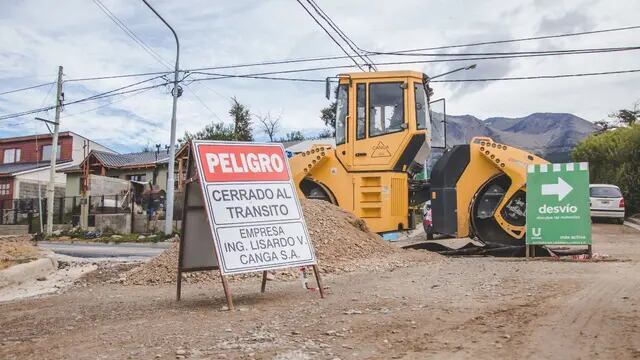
[227, 292]
[527, 249]
[590, 251]
[264, 281]
[179, 285]
[319, 281]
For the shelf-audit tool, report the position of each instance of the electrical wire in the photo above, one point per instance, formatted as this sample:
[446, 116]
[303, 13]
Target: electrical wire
[506, 41]
[133, 94]
[549, 52]
[132, 35]
[331, 36]
[536, 77]
[339, 57]
[121, 24]
[106, 94]
[26, 88]
[352, 45]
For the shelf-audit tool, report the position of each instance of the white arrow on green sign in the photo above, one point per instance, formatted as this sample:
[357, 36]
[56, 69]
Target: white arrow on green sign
[558, 204]
[561, 189]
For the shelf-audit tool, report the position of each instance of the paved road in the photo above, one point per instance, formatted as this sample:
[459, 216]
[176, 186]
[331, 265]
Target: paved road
[86, 250]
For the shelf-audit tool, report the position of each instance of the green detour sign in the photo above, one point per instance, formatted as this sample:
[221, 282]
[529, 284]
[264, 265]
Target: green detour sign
[558, 204]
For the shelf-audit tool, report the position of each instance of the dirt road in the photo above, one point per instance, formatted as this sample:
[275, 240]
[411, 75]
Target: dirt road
[475, 307]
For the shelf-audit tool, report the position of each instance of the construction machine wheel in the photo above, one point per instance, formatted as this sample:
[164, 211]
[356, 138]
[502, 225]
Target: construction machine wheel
[314, 190]
[484, 206]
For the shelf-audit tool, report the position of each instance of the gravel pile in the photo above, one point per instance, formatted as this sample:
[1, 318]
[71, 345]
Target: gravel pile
[342, 243]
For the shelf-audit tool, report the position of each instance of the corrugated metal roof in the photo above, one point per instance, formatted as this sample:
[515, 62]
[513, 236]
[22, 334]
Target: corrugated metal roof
[13, 168]
[132, 159]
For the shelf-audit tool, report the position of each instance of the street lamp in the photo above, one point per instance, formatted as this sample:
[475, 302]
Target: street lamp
[470, 67]
[168, 222]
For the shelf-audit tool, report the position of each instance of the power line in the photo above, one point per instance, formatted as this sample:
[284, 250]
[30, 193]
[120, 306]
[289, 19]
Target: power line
[531, 38]
[106, 94]
[108, 77]
[132, 35]
[535, 77]
[26, 88]
[148, 49]
[338, 57]
[331, 36]
[549, 52]
[110, 103]
[352, 45]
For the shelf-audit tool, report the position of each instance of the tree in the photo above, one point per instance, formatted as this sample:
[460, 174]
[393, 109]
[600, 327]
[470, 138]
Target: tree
[241, 120]
[293, 136]
[269, 125]
[325, 133]
[614, 158]
[627, 116]
[212, 131]
[328, 116]
[147, 148]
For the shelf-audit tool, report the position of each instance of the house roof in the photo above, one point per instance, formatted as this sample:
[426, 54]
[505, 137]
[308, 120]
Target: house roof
[14, 168]
[130, 160]
[120, 161]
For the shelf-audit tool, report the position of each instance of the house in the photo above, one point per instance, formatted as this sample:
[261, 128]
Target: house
[147, 167]
[25, 164]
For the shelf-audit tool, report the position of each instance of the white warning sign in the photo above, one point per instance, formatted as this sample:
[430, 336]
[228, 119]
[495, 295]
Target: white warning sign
[253, 208]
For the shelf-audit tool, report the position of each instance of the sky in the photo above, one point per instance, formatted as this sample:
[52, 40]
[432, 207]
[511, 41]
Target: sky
[36, 36]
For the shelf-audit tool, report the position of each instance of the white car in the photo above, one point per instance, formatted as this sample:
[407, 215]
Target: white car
[606, 202]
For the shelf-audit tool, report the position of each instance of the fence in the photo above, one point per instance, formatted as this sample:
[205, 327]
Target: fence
[66, 210]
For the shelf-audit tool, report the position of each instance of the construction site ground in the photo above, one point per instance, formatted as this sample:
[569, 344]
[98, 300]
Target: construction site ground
[463, 307]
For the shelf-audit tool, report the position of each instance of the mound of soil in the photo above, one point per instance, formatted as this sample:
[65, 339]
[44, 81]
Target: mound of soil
[342, 243]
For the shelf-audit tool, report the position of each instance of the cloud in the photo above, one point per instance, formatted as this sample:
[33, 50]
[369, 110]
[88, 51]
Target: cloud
[571, 21]
[39, 35]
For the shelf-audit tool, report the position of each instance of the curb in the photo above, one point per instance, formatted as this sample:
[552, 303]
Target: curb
[30, 271]
[632, 220]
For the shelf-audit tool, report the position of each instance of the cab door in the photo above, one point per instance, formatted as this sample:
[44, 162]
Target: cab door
[381, 125]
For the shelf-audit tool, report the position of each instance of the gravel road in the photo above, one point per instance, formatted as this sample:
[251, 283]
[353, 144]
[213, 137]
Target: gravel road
[471, 307]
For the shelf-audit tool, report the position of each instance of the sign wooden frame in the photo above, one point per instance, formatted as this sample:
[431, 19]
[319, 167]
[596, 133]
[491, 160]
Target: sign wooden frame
[190, 210]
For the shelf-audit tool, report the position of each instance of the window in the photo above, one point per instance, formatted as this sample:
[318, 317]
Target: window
[361, 110]
[342, 107]
[422, 108]
[45, 150]
[137, 177]
[605, 192]
[11, 156]
[386, 108]
[5, 188]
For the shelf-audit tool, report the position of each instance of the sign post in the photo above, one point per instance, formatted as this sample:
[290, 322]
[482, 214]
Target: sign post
[558, 211]
[244, 216]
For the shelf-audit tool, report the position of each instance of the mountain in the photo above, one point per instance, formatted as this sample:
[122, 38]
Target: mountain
[550, 135]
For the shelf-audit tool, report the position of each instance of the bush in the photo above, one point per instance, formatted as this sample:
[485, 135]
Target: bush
[614, 158]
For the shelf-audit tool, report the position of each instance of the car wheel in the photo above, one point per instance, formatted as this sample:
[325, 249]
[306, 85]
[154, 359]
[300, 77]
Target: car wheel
[620, 221]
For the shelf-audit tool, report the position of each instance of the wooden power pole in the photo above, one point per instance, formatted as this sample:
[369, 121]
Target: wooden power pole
[51, 187]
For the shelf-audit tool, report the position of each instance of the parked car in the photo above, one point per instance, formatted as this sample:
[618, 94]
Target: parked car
[427, 222]
[606, 201]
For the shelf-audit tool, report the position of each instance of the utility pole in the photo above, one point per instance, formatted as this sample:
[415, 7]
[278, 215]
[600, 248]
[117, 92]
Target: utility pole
[176, 92]
[51, 187]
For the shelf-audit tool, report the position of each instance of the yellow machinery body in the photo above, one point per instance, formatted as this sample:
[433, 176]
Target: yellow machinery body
[383, 137]
[379, 132]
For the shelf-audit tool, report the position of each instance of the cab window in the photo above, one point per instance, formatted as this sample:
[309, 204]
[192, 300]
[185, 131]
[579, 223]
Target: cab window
[422, 109]
[361, 107]
[341, 114]
[386, 108]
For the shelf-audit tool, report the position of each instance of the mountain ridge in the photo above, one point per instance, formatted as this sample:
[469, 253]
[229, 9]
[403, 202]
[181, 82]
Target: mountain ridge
[550, 135]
